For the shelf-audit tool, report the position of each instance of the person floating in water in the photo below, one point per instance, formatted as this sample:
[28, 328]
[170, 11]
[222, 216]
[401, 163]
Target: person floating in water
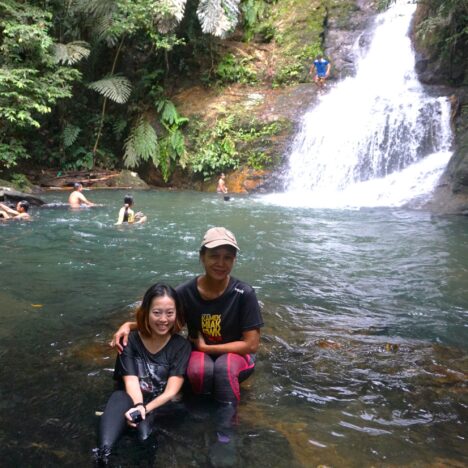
[149, 372]
[127, 215]
[77, 199]
[21, 212]
[322, 67]
[223, 320]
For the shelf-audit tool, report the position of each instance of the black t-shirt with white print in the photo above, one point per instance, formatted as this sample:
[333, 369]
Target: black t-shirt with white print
[152, 370]
[221, 320]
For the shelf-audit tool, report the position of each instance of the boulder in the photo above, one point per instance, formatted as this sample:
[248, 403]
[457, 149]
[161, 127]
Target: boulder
[10, 195]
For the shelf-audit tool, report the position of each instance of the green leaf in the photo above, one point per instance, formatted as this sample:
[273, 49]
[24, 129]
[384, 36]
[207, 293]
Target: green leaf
[71, 53]
[141, 145]
[70, 134]
[116, 88]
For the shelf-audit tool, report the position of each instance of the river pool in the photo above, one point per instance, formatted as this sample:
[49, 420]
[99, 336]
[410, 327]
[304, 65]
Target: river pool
[364, 351]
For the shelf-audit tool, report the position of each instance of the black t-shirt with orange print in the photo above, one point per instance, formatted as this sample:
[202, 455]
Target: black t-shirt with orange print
[221, 320]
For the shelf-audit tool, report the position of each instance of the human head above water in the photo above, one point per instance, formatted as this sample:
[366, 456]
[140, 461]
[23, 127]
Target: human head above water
[77, 186]
[217, 237]
[142, 314]
[128, 200]
[24, 205]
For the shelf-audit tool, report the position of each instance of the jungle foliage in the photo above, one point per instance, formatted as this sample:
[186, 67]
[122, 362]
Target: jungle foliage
[87, 83]
[101, 71]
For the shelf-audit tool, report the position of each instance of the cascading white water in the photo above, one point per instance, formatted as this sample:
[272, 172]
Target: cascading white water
[375, 139]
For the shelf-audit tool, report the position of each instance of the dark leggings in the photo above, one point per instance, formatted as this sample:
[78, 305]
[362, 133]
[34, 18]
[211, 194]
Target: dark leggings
[114, 423]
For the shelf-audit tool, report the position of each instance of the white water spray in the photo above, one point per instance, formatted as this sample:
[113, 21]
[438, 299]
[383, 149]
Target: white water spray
[376, 139]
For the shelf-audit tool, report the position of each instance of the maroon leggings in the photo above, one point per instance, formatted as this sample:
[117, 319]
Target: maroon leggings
[219, 376]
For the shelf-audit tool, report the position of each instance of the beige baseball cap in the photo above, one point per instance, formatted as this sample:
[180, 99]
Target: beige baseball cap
[218, 236]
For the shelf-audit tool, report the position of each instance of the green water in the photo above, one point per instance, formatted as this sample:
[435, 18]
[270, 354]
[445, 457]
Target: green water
[364, 351]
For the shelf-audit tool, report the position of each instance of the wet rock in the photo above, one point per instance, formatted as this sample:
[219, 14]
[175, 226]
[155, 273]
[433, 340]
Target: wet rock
[344, 29]
[451, 195]
[12, 196]
[328, 344]
[128, 179]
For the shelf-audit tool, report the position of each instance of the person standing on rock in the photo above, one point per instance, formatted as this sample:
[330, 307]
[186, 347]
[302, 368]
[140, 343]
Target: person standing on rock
[322, 67]
[76, 198]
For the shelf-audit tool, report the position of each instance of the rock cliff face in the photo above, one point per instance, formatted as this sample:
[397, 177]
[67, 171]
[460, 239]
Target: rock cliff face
[282, 92]
[438, 66]
[451, 196]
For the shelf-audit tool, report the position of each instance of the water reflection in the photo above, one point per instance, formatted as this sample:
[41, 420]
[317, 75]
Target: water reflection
[363, 360]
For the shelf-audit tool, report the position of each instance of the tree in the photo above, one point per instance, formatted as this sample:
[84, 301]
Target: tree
[32, 78]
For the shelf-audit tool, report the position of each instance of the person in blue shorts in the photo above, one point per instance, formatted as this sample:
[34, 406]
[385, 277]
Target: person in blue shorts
[322, 70]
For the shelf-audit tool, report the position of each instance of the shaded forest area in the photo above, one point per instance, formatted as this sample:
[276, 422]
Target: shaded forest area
[99, 84]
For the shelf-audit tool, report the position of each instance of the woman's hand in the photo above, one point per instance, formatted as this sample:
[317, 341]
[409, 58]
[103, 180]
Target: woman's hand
[139, 408]
[120, 339]
[199, 342]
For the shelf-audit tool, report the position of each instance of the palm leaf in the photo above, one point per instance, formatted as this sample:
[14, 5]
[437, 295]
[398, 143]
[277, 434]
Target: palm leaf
[141, 144]
[101, 28]
[116, 88]
[172, 12]
[218, 17]
[71, 53]
[94, 8]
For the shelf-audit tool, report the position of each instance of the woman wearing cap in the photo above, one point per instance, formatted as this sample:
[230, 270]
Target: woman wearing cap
[224, 320]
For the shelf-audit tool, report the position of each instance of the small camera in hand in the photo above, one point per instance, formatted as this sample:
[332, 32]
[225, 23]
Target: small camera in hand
[135, 416]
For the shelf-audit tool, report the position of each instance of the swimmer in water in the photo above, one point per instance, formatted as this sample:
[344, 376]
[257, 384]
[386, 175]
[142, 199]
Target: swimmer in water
[21, 212]
[77, 199]
[127, 215]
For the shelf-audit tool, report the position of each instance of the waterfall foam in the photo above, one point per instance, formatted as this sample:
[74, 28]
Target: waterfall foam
[376, 139]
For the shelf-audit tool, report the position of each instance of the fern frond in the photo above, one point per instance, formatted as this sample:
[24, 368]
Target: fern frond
[101, 28]
[119, 126]
[141, 144]
[168, 111]
[116, 88]
[70, 134]
[218, 17]
[94, 8]
[171, 14]
[71, 53]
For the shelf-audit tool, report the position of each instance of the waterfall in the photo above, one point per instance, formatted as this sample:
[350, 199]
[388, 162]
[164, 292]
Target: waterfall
[375, 139]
